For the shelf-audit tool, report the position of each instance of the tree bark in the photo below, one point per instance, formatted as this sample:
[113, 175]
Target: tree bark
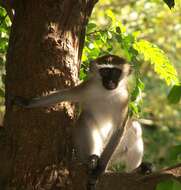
[138, 182]
[44, 55]
[124, 181]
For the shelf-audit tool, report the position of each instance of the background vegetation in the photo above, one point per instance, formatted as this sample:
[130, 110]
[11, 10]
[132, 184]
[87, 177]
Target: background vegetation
[129, 28]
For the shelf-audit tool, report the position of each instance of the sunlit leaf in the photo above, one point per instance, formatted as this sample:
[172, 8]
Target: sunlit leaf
[133, 108]
[90, 27]
[161, 63]
[111, 15]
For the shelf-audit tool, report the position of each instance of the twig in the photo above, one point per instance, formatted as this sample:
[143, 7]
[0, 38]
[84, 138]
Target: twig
[96, 31]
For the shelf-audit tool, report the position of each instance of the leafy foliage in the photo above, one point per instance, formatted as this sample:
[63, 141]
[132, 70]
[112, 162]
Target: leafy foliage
[162, 147]
[158, 58]
[4, 38]
[174, 154]
[169, 185]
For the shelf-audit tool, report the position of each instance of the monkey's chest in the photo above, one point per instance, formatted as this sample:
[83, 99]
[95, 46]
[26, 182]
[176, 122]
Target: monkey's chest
[106, 113]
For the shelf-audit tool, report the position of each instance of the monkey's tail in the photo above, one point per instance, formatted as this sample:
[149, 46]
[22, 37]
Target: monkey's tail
[91, 184]
[93, 171]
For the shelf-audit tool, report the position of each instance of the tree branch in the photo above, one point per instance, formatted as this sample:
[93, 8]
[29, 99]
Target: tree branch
[131, 181]
[137, 182]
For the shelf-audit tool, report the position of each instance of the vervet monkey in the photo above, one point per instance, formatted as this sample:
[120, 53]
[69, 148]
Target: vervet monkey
[103, 99]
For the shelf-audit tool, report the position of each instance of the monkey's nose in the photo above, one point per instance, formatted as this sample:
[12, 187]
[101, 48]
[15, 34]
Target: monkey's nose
[112, 84]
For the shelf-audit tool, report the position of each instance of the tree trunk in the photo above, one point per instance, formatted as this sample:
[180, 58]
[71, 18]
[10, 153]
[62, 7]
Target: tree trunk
[44, 55]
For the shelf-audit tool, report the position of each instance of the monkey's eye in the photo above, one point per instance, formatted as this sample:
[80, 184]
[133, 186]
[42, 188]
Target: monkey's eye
[116, 72]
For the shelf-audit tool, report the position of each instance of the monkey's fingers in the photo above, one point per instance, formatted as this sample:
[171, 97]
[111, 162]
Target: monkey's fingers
[20, 101]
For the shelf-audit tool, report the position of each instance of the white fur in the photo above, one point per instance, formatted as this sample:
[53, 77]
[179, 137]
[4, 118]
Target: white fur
[130, 149]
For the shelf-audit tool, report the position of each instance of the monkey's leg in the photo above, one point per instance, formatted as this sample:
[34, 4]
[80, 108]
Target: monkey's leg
[86, 137]
[133, 158]
[88, 144]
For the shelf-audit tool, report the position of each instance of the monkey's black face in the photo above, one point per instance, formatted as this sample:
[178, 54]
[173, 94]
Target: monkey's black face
[110, 77]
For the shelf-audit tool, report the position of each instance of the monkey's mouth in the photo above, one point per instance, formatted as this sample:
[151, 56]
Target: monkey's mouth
[109, 85]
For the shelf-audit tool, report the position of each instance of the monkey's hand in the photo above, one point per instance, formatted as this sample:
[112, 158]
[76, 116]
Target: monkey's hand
[20, 101]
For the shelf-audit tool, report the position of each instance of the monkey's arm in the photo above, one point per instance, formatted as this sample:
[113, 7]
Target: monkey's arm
[73, 94]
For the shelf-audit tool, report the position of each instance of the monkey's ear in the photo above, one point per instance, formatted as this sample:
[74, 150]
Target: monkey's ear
[92, 66]
[127, 69]
[130, 70]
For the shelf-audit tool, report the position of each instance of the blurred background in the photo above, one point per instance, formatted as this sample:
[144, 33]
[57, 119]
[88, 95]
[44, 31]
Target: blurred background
[158, 24]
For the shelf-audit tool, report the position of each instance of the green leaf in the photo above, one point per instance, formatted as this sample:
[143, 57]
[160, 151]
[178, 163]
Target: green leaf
[111, 15]
[175, 152]
[118, 30]
[136, 93]
[174, 95]
[82, 74]
[170, 3]
[91, 26]
[3, 78]
[133, 108]
[140, 84]
[109, 35]
[171, 184]
[118, 37]
[2, 94]
[104, 36]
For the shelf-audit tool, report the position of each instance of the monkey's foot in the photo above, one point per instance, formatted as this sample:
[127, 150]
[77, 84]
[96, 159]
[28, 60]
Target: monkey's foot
[93, 162]
[145, 168]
